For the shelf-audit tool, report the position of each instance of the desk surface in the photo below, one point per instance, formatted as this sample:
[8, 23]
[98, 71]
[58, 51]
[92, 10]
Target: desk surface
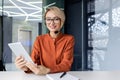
[83, 75]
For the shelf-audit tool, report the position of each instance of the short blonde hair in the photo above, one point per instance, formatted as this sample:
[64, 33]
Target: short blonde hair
[58, 12]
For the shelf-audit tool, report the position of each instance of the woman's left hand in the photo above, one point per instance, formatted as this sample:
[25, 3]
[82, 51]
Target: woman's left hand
[37, 69]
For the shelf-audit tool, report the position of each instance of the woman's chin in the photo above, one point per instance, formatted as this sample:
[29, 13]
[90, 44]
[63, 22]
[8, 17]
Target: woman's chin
[52, 30]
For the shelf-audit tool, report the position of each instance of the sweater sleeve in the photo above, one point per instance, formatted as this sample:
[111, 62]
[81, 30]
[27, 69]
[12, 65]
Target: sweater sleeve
[34, 54]
[67, 60]
[36, 51]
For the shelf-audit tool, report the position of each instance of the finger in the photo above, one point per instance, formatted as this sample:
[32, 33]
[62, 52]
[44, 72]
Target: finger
[32, 66]
[22, 63]
[19, 60]
[42, 67]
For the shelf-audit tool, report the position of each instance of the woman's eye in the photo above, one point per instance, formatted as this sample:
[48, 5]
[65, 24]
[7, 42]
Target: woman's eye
[48, 19]
[57, 19]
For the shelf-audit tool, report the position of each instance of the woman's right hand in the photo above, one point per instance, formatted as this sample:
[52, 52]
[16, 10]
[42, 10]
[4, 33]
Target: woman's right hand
[20, 63]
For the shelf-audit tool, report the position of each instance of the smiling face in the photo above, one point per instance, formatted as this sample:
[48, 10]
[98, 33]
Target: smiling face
[54, 18]
[53, 22]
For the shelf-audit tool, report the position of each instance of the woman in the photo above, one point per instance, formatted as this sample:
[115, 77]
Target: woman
[52, 52]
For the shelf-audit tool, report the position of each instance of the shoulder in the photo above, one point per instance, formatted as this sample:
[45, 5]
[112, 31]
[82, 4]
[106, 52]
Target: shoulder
[69, 39]
[68, 36]
[41, 36]
[39, 39]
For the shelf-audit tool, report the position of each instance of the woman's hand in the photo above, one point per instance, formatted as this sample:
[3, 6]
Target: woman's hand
[20, 63]
[37, 69]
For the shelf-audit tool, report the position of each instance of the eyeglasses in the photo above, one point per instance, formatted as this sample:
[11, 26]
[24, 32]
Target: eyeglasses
[55, 20]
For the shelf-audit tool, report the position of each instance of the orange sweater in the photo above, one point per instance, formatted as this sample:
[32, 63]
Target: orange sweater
[55, 54]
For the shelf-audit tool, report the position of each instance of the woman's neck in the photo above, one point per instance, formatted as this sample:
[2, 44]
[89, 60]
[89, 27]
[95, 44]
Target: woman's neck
[54, 34]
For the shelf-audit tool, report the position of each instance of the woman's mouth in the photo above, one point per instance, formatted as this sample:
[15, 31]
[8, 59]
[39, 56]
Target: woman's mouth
[52, 27]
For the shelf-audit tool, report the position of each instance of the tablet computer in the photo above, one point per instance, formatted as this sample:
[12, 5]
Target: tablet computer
[18, 49]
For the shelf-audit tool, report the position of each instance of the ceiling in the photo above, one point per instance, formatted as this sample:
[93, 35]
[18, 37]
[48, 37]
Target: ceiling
[28, 10]
[31, 10]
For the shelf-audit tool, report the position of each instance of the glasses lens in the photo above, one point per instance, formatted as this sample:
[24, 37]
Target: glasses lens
[55, 20]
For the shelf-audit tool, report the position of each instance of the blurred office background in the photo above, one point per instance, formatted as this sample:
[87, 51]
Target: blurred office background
[95, 24]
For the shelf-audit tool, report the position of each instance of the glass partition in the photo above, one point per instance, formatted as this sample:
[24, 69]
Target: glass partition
[104, 34]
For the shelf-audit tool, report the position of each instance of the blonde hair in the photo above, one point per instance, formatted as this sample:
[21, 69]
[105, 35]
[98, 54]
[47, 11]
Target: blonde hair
[58, 12]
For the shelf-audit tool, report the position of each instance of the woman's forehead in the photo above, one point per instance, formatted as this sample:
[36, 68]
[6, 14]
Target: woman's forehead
[51, 14]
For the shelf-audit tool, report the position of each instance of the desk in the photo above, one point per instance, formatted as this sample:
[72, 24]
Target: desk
[83, 75]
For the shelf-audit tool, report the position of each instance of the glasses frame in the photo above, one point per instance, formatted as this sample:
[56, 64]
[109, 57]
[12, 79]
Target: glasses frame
[55, 20]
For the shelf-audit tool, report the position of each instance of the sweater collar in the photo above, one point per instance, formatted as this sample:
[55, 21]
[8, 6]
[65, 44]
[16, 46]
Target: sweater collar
[58, 37]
